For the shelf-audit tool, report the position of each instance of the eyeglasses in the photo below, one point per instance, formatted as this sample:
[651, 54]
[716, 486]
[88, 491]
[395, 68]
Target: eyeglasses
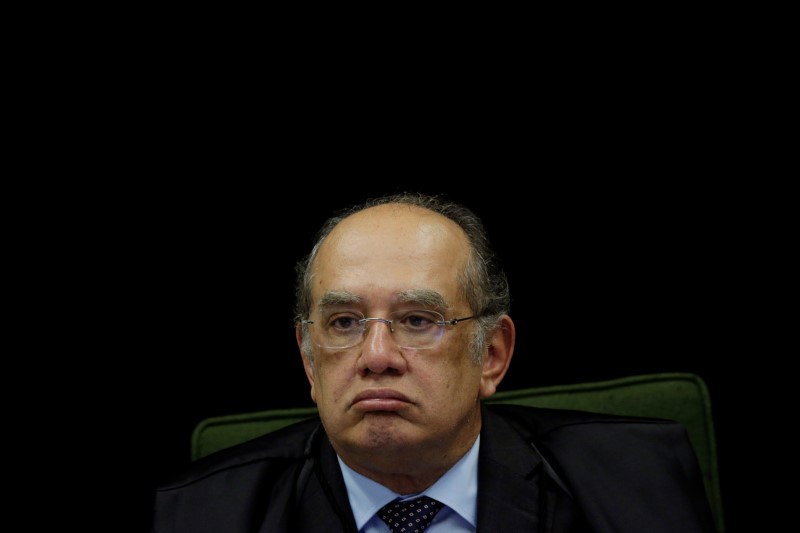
[411, 329]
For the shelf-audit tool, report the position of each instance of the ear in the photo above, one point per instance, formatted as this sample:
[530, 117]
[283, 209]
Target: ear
[298, 335]
[499, 351]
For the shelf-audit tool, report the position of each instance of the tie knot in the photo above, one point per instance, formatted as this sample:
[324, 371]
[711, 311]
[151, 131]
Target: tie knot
[410, 516]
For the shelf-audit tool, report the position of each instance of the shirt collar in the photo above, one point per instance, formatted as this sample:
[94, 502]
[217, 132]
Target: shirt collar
[457, 489]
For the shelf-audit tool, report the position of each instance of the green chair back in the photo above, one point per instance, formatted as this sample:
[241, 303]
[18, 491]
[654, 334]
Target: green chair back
[675, 396]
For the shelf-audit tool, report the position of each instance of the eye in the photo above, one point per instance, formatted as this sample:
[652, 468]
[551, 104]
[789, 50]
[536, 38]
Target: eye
[344, 322]
[419, 320]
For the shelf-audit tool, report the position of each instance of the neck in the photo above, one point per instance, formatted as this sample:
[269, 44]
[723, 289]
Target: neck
[407, 471]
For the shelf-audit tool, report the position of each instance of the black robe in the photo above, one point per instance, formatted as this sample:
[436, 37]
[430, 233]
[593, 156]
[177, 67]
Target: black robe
[539, 470]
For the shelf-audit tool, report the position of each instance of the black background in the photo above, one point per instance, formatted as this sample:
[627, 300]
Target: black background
[608, 280]
[631, 176]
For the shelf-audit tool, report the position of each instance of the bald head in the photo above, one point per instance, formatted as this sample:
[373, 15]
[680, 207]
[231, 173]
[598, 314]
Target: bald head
[403, 226]
[394, 250]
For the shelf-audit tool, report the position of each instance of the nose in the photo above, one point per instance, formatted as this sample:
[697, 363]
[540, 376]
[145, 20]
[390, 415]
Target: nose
[379, 351]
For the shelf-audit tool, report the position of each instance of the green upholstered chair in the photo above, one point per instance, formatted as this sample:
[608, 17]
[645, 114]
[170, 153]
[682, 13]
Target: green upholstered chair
[676, 396]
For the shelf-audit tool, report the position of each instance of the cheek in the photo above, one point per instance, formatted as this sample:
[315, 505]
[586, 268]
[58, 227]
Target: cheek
[331, 379]
[464, 372]
[456, 375]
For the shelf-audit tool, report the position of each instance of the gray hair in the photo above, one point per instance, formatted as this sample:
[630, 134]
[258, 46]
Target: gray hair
[483, 281]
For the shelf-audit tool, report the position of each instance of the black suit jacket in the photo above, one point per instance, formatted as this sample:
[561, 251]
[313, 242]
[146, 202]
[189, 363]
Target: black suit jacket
[539, 470]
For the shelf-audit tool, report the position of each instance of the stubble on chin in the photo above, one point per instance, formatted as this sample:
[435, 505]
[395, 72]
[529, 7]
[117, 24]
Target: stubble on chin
[382, 430]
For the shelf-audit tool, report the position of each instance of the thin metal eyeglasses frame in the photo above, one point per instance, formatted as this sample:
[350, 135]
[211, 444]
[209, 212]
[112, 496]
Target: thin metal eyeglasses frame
[362, 321]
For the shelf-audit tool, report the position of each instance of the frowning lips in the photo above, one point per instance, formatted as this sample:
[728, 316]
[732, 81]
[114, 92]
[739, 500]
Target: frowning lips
[380, 400]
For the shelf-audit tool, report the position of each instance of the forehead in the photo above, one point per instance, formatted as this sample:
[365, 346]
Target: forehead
[384, 251]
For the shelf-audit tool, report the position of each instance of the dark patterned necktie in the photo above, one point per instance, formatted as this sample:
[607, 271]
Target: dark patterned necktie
[411, 516]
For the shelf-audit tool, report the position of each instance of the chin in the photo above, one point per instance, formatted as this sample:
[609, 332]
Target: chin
[384, 430]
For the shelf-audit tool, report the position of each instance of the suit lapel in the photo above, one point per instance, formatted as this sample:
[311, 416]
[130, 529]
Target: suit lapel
[508, 478]
[324, 503]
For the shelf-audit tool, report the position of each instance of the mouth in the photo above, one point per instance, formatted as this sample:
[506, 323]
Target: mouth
[380, 400]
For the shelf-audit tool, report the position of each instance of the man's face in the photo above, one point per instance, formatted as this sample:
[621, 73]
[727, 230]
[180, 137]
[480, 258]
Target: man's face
[380, 402]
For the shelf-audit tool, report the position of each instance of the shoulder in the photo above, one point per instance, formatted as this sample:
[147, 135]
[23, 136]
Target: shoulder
[582, 445]
[626, 473]
[280, 449]
[570, 434]
[241, 487]
[540, 422]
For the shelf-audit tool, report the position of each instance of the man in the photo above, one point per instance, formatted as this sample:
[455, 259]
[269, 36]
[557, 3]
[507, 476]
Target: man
[403, 326]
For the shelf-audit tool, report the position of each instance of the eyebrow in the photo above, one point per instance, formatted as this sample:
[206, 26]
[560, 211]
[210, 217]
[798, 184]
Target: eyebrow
[425, 297]
[333, 298]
